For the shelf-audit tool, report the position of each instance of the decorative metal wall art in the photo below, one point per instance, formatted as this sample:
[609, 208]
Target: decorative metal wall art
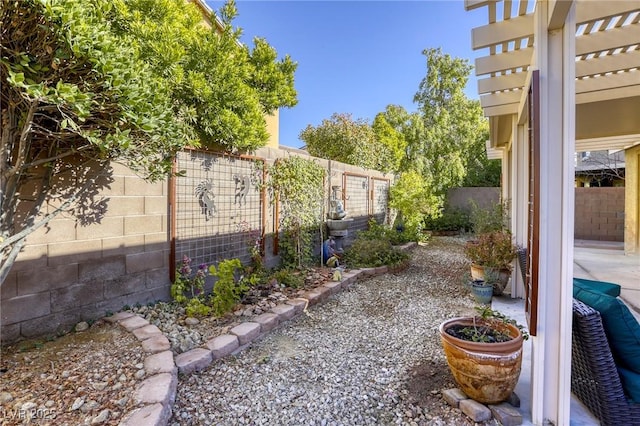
[243, 184]
[204, 193]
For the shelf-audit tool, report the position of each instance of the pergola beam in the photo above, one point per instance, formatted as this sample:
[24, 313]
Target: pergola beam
[493, 111]
[502, 82]
[558, 11]
[474, 4]
[503, 98]
[611, 81]
[609, 63]
[608, 40]
[607, 143]
[504, 61]
[604, 95]
[501, 32]
[590, 10]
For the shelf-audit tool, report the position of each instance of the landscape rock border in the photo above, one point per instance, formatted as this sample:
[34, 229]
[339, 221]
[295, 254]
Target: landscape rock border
[156, 394]
[505, 412]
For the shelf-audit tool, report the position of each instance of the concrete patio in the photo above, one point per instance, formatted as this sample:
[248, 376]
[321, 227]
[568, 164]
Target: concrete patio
[596, 260]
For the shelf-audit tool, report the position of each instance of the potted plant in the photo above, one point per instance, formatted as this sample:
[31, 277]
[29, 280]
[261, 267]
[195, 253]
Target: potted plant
[492, 250]
[484, 354]
[482, 289]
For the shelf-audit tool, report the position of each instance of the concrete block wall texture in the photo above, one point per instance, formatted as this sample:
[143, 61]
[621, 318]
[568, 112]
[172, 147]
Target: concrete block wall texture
[600, 213]
[463, 198]
[79, 269]
[75, 269]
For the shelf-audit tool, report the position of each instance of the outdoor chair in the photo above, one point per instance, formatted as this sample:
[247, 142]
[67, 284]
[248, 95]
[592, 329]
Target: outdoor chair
[522, 261]
[594, 376]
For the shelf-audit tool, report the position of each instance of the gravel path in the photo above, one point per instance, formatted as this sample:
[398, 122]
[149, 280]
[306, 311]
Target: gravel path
[370, 355]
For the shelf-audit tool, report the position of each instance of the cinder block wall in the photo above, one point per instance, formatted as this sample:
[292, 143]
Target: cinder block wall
[73, 271]
[462, 198]
[70, 272]
[599, 214]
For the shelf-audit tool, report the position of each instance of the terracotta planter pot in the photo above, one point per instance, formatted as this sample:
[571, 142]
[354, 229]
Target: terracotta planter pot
[485, 372]
[477, 273]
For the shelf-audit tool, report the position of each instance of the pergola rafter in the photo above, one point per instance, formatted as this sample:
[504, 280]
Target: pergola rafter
[607, 52]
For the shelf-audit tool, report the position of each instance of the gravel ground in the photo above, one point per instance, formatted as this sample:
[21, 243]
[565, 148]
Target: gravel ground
[371, 355]
[82, 378]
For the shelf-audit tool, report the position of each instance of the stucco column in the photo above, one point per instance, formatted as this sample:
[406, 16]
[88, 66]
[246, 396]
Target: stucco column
[632, 200]
[551, 348]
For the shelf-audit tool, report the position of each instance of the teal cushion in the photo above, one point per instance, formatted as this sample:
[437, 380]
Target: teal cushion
[630, 383]
[602, 286]
[622, 329]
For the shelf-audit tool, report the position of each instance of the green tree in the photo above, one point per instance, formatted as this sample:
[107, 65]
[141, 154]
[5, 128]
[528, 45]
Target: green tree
[480, 171]
[73, 98]
[444, 139]
[220, 87]
[344, 139]
[392, 144]
[452, 122]
[380, 146]
[411, 127]
[412, 195]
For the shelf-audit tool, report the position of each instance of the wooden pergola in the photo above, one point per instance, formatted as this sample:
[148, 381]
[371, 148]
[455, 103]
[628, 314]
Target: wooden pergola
[557, 77]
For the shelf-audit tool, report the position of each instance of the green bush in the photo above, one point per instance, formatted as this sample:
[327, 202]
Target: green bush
[292, 278]
[227, 291]
[367, 253]
[451, 220]
[401, 234]
[490, 219]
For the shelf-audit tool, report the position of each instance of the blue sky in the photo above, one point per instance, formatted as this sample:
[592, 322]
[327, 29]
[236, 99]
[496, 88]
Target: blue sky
[356, 57]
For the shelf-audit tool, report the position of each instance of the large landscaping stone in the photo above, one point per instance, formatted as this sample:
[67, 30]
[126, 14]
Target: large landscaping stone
[246, 332]
[284, 311]
[222, 346]
[297, 303]
[268, 321]
[333, 287]
[454, 396]
[478, 412]
[156, 344]
[506, 414]
[133, 322]
[193, 360]
[313, 296]
[160, 388]
[143, 333]
[149, 415]
[161, 362]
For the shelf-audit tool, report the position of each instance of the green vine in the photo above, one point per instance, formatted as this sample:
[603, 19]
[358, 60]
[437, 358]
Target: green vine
[298, 185]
